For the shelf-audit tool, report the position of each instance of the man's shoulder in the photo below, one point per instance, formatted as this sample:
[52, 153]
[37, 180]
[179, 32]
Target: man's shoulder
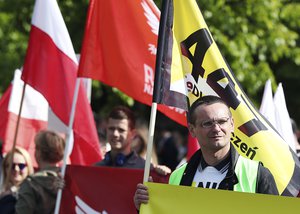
[134, 161]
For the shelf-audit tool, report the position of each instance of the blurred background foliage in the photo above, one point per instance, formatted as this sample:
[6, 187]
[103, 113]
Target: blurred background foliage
[259, 40]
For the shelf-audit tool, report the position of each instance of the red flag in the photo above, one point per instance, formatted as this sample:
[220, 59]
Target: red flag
[192, 147]
[4, 112]
[119, 49]
[34, 116]
[108, 190]
[51, 68]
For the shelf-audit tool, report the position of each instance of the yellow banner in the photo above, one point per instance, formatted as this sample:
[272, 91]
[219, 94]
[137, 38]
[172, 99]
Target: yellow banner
[198, 69]
[173, 199]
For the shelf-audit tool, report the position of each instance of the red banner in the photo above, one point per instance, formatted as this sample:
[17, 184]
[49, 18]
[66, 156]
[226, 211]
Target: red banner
[119, 49]
[102, 189]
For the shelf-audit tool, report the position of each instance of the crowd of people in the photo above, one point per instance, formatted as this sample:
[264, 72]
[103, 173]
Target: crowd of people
[26, 191]
[216, 165]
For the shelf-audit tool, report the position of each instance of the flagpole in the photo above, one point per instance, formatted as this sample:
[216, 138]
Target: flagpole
[68, 141]
[157, 80]
[150, 141]
[16, 133]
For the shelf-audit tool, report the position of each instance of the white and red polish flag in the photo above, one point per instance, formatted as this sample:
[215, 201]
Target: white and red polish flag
[51, 68]
[33, 118]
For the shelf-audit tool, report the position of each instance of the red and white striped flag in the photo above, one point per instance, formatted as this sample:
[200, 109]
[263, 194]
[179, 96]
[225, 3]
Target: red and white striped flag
[51, 68]
[34, 116]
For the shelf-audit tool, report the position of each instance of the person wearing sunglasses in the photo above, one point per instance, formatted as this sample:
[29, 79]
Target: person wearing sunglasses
[38, 191]
[12, 176]
[217, 164]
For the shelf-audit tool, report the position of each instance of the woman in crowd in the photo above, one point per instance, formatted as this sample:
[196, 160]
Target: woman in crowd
[12, 176]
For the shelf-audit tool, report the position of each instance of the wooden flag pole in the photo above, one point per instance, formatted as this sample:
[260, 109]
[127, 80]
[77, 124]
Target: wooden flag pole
[16, 134]
[150, 141]
[157, 84]
[68, 142]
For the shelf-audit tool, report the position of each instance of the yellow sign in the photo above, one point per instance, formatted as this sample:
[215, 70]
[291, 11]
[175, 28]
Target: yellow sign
[174, 199]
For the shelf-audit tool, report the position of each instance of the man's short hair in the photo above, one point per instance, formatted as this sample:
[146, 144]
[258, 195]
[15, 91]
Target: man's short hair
[123, 112]
[206, 100]
[50, 145]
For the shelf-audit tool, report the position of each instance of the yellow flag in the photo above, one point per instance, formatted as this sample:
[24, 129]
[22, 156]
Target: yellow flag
[173, 199]
[198, 69]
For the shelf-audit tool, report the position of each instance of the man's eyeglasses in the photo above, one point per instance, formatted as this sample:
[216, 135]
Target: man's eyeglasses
[210, 123]
[20, 165]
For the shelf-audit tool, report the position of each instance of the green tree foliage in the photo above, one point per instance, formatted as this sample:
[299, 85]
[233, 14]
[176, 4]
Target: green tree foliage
[14, 28]
[260, 41]
[252, 36]
[258, 38]
[287, 69]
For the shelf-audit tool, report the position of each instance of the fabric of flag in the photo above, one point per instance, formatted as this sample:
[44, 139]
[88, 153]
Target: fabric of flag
[182, 199]
[4, 102]
[267, 108]
[102, 189]
[276, 112]
[283, 120]
[51, 68]
[198, 69]
[119, 49]
[192, 147]
[33, 118]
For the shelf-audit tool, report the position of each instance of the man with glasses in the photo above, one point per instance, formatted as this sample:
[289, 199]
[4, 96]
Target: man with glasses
[216, 165]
